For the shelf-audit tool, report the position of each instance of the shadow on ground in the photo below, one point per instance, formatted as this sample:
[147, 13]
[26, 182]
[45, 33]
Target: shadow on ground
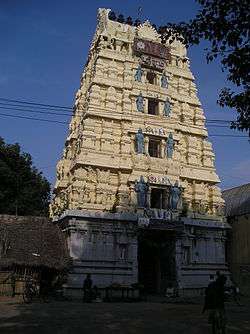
[142, 317]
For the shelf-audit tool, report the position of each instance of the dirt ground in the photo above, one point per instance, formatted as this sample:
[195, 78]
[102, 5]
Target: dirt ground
[155, 316]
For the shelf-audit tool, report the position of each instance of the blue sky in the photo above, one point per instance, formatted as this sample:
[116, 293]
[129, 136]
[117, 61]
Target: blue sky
[42, 53]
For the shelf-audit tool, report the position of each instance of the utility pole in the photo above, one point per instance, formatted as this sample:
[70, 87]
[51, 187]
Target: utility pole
[17, 194]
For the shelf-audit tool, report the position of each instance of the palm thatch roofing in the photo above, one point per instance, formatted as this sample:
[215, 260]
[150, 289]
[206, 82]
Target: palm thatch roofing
[32, 242]
[237, 200]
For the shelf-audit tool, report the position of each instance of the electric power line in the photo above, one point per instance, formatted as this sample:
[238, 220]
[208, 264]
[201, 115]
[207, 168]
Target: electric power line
[34, 119]
[60, 122]
[37, 107]
[218, 126]
[49, 108]
[220, 135]
[36, 111]
[68, 114]
[218, 121]
[37, 104]
[46, 167]
[233, 176]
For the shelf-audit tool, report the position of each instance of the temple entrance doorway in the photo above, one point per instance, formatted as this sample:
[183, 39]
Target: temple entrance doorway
[156, 260]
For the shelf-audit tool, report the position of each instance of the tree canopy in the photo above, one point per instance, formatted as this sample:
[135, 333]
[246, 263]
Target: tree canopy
[23, 189]
[225, 25]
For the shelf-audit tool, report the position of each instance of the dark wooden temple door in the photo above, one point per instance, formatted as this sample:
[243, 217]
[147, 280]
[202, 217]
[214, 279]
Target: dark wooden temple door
[156, 260]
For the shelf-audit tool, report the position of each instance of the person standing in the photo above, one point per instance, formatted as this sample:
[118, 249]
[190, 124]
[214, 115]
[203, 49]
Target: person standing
[87, 289]
[13, 285]
[215, 303]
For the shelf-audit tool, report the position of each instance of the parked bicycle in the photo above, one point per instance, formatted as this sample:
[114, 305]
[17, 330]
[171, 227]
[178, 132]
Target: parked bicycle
[218, 321]
[214, 303]
[31, 291]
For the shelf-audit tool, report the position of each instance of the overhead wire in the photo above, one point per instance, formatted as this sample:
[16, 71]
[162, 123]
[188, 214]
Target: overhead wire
[37, 107]
[34, 119]
[71, 109]
[60, 122]
[36, 103]
[221, 135]
[218, 120]
[41, 110]
[52, 110]
[2, 106]
[35, 111]
[218, 126]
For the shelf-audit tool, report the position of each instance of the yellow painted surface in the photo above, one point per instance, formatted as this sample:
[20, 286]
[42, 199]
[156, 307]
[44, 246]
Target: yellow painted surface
[99, 164]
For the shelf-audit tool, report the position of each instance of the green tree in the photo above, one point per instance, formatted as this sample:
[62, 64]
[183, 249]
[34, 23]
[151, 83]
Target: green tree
[23, 189]
[225, 25]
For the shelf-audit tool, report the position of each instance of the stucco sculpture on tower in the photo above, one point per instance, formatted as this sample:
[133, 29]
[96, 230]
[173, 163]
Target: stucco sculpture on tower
[138, 73]
[167, 108]
[175, 196]
[141, 187]
[140, 147]
[164, 81]
[170, 146]
[140, 103]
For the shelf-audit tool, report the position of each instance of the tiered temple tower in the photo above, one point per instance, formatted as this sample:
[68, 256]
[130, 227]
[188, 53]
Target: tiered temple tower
[136, 187]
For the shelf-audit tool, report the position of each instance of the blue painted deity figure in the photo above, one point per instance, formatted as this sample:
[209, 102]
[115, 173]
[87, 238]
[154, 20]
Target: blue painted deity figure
[140, 142]
[141, 187]
[138, 73]
[139, 103]
[170, 146]
[167, 108]
[164, 81]
[175, 195]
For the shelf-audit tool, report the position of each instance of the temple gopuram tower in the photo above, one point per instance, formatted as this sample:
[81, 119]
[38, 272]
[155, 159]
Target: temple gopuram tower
[136, 190]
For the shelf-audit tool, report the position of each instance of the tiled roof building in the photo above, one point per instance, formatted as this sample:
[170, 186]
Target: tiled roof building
[237, 211]
[237, 200]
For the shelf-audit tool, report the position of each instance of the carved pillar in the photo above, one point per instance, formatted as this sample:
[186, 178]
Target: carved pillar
[162, 148]
[145, 106]
[111, 98]
[157, 80]
[149, 198]
[94, 95]
[143, 77]
[146, 141]
[126, 102]
[113, 71]
[122, 194]
[133, 196]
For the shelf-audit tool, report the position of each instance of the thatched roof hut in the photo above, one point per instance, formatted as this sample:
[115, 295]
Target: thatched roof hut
[32, 242]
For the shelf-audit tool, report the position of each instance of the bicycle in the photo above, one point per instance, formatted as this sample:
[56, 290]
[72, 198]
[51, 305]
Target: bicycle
[217, 317]
[31, 290]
